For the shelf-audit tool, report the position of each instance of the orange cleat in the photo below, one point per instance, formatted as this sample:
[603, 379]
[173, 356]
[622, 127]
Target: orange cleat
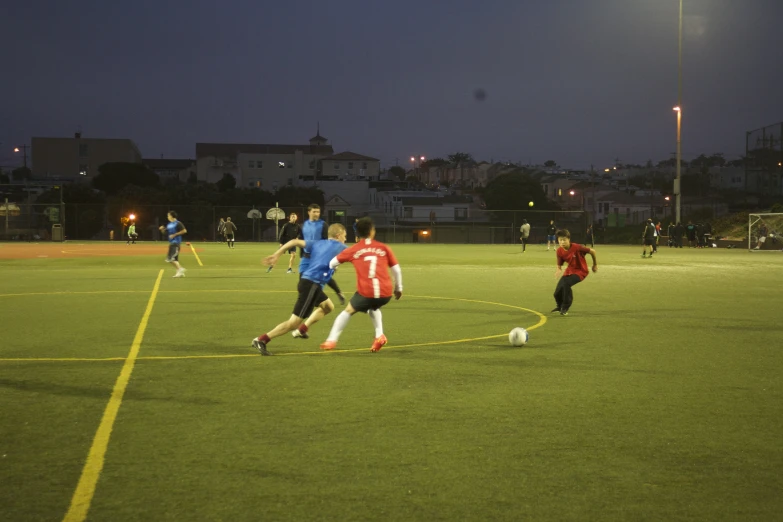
[378, 343]
[328, 345]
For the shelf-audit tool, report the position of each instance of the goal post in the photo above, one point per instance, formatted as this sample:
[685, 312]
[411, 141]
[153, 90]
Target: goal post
[765, 232]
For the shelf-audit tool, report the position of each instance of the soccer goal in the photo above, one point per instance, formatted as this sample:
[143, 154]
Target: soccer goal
[765, 232]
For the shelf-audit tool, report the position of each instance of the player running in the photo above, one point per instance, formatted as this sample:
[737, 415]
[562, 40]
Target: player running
[372, 261]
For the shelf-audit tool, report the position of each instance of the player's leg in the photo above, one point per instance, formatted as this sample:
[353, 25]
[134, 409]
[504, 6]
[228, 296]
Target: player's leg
[307, 291]
[291, 262]
[558, 295]
[173, 258]
[377, 321]
[339, 325]
[567, 293]
[325, 307]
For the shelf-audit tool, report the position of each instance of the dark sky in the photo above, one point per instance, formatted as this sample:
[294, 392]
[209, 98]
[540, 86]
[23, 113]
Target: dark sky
[577, 81]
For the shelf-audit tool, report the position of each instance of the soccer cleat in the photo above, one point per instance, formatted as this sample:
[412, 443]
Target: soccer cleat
[555, 309]
[643, 256]
[180, 273]
[378, 343]
[564, 311]
[269, 269]
[260, 345]
[328, 345]
[341, 297]
[297, 334]
[289, 271]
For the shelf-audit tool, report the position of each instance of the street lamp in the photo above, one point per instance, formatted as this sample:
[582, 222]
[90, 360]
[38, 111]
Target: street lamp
[677, 182]
[23, 148]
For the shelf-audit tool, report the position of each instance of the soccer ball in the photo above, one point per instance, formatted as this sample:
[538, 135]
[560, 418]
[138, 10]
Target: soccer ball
[518, 337]
[530, 204]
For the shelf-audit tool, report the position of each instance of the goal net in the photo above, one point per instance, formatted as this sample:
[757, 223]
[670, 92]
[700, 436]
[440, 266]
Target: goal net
[765, 232]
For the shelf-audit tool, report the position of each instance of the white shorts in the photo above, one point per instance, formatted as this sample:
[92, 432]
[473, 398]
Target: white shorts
[762, 239]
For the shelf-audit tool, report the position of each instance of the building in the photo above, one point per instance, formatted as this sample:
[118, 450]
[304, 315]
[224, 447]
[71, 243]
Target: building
[171, 169]
[78, 158]
[266, 166]
[351, 166]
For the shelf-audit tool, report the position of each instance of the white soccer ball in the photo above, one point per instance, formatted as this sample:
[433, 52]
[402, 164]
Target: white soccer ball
[518, 337]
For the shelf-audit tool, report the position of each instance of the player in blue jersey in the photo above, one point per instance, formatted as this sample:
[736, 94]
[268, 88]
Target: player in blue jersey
[312, 229]
[174, 231]
[311, 283]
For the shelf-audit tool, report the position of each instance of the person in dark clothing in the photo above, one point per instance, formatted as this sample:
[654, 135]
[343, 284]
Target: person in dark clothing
[679, 230]
[690, 232]
[648, 237]
[551, 230]
[590, 239]
[289, 231]
[228, 230]
[670, 235]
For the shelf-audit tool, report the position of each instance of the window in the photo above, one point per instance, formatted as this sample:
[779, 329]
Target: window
[336, 166]
[82, 170]
[251, 164]
[460, 213]
[312, 164]
[364, 165]
[84, 150]
[259, 164]
[559, 192]
[350, 165]
[281, 164]
[407, 212]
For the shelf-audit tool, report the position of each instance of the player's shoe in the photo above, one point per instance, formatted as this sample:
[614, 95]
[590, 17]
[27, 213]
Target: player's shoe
[180, 273]
[555, 309]
[269, 269]
[260, 345]
[378, 343]
[564, 311]
[644, 256]
[297, 334]
[328, 345]
[341, 297]
[289, 271]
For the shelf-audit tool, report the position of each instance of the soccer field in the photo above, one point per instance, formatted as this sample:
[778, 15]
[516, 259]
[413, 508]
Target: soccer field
[659, 397]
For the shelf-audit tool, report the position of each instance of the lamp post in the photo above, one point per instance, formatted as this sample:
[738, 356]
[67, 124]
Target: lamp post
[416, 169]
[23, 149]
[678, 108]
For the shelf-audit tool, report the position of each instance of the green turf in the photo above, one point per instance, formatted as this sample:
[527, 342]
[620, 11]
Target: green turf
[658, 398]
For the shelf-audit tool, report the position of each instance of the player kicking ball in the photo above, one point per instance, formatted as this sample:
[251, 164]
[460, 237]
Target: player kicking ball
[573, 255]
[372, 261]
[310, 286]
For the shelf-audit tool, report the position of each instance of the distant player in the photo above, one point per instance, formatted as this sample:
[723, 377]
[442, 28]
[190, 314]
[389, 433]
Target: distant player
[551, 230]
[228, 230]
[132, 235]
[524, 233]
[312, 229]
[372, 261]
[174, 230]
[289, 231]
[648, 237]
[311, 282]
[573, 255]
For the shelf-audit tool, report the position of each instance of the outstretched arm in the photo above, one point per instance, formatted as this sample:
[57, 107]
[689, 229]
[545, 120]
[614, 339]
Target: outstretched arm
[397, 276]
[271, 260]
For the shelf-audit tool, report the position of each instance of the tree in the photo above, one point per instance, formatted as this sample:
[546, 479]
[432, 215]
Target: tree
[397, 172]
[514, 190]
[4, 179]
[112, 177]
[435, 162]
[228, 182]
[550, 163]
[460, 157]
[292, 196]
[21, 174]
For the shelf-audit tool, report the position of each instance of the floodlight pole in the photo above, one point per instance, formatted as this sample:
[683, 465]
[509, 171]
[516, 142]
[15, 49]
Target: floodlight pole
[677, 186]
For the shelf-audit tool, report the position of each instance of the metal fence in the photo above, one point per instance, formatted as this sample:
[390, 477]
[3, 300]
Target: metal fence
[23, 221]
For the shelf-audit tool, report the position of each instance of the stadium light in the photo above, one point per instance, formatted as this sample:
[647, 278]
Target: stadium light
[423, 158]
[132, 216]
[572, 192]
[413, 159]
[16, 149]
[606, 170]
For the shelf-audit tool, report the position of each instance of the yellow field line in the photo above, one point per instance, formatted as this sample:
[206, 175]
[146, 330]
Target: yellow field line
[85, 489]
[195, 254]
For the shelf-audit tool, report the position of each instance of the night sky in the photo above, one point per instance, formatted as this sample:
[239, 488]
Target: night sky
[577, 81]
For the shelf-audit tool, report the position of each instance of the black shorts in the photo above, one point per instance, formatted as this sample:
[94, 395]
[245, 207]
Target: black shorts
[648, 241]
[230, 236]
[365, 304]
[173, 254]
[291, 250]
[310, 295]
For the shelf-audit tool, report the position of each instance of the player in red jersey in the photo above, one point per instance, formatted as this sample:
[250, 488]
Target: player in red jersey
[372, 261]
[574, 255]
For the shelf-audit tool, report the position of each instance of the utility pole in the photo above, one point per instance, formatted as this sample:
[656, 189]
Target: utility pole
[23, 149]
[679, 119]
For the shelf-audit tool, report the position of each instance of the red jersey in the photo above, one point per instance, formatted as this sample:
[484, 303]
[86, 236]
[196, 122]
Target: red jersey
[371, 259]
[575, 258]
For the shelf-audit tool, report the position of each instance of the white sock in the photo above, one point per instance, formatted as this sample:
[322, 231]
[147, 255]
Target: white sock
[377, 321]
[339, 325]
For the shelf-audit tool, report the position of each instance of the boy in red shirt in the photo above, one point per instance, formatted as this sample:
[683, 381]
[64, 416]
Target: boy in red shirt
[573, 255]
[372, 261]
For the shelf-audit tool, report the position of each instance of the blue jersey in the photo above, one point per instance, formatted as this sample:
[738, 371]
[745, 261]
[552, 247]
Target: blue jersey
[313, 231]
[321, 252]
[172, 228]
